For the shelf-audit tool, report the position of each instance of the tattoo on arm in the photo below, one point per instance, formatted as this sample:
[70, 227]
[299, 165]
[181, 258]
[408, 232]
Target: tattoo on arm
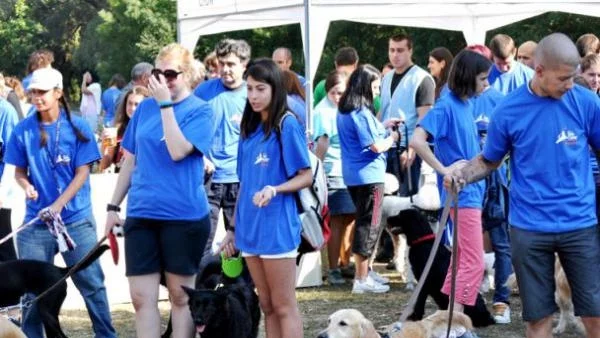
[478, 168]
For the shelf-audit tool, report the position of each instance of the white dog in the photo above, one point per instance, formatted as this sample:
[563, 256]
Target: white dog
[427, 198]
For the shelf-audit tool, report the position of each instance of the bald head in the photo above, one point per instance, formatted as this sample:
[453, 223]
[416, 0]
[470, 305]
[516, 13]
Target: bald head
[556, 50]
[525, 53]
[283, 58]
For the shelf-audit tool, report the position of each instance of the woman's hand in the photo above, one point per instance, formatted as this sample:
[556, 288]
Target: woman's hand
[263, 197]
[31, 193]
[158, 88]
[392, 122]
[228, 244]
[112, 220]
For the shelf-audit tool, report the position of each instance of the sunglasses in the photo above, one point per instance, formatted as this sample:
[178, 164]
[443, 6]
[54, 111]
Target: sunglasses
[169, 74]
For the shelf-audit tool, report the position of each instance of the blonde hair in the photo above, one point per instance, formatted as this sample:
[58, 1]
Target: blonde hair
[176, 52]
[588, 61]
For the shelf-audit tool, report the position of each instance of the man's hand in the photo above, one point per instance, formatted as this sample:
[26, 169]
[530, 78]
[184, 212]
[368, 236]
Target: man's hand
[454, 177]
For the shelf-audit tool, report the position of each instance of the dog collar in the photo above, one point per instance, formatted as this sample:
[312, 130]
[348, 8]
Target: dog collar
[423, 239]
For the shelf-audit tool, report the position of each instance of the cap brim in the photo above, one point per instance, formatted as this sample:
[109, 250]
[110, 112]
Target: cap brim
[38, 87]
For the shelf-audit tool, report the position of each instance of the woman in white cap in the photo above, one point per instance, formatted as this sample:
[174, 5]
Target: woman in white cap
[52, 152]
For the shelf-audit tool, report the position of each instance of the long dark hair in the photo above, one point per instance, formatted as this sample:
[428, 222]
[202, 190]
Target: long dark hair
[441, 54]
[121, 117]
[44, 135]
[462, 80]
[359, 93]
[292, 84]
[266, 71]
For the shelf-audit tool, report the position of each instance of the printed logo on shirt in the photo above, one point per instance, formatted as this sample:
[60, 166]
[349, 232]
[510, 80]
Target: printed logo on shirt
[566, 136]
[62, 158]
[236, 119]
[261, 159]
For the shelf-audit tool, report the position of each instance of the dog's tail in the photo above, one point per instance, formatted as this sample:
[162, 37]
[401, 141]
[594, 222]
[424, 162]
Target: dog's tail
[88, 260]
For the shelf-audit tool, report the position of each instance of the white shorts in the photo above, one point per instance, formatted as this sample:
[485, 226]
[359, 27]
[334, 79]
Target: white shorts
[289, 254]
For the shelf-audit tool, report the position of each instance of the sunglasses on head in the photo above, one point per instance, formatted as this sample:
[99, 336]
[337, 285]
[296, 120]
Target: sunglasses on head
[169, 74]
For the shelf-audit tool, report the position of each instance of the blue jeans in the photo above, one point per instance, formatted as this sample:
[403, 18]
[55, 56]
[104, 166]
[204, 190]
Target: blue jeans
[500, 239]
[36, 242]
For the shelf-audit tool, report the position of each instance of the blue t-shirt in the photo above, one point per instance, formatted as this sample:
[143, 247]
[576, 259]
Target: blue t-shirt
[208, 90]
[517, 75]
[109, 101]
[483, 108]
[160, 187]
[298, 107]
[450, 123]
[552, 189]
[275, 228]
[324, 122]
[26, 81]
[228, 108]
[51, 168]
[358, 130]
[8, 120]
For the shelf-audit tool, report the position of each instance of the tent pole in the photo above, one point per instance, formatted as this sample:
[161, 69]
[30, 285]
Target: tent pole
[308, 88]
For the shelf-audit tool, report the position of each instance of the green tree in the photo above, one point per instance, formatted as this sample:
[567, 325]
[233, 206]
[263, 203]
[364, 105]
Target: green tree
[18, 37]
[127, 32]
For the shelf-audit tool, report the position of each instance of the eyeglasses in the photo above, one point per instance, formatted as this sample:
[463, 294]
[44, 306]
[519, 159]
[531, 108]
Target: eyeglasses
[169, 74]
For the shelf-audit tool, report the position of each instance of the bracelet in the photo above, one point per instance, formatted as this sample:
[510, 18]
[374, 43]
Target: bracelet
[272, 188]
[112, 207]
[165, 104]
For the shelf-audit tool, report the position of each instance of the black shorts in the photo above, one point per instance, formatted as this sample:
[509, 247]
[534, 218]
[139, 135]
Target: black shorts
[153, 245]
[368, 200]
[533, 260]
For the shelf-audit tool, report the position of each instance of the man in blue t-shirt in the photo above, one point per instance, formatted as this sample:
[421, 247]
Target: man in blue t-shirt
[506, 74]
[547, 126]
[282, 56]
[227, 96]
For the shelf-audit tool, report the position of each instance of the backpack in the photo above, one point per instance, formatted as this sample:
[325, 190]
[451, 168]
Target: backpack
[312, 204]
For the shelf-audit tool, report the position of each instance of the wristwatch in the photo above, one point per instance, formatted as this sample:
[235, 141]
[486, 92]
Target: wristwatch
[112, 207]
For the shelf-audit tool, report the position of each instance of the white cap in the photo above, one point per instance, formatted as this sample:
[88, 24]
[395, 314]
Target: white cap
[46, 79]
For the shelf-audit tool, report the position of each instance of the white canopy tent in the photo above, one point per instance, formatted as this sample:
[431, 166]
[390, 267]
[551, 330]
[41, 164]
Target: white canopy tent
[473, 18]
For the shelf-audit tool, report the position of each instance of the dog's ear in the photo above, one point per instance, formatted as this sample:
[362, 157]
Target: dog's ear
[191, 292]
[368, 330]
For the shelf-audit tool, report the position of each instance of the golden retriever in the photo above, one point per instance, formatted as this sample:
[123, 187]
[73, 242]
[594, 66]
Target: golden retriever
[9, 330]
[562, 296]
[350, 323]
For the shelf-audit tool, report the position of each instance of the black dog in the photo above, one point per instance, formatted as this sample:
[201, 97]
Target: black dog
[30, 276]
[420, 239]
[222, 306]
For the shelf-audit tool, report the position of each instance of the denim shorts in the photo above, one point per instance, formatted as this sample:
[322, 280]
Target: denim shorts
[339, 200]
[175, 246]
[533, 257]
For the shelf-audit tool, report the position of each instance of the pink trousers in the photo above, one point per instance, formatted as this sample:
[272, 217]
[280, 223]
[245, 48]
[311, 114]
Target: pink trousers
[469, 256]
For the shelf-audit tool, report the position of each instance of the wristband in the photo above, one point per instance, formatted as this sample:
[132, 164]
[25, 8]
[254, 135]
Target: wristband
[165, 104]
[273, 190]
[112, 207]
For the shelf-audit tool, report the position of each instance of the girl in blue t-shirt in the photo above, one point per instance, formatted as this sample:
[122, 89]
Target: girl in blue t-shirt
[52, 152]
[267, 225]
[168, 220]
[451, 125]
[364, 141]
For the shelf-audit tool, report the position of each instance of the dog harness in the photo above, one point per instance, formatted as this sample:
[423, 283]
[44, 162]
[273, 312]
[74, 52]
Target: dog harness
[422, 239]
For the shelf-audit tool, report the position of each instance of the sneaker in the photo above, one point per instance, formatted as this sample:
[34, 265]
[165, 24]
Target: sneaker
[501, 312]
[348, 270]
[377, 277]
[334, 277]
[369, 285]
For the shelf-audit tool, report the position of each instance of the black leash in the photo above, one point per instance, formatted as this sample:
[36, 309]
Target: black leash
[452, 196]
[68, 274]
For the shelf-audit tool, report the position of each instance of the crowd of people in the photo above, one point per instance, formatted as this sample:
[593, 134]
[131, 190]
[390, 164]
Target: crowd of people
[505, 125]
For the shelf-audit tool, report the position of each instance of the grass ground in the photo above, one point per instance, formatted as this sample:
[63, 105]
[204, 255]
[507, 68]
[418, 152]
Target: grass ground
[316, 304]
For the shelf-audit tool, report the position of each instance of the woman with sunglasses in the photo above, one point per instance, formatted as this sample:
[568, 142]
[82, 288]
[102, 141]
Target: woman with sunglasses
[52, 152]
[267, 225]
[167, 220]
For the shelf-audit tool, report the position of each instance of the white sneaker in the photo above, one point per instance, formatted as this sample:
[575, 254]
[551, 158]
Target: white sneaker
[501, 312]
[378, 278]
[369, 285]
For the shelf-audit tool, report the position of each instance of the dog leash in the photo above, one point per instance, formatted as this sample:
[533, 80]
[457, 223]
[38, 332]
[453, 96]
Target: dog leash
[19, 229]
[409, 309]
[67, 275]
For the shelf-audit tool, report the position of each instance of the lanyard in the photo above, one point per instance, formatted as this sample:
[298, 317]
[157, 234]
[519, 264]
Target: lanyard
[54, 160]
